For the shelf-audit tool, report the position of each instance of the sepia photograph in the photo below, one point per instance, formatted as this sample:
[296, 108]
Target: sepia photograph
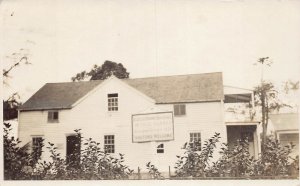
[161, 92]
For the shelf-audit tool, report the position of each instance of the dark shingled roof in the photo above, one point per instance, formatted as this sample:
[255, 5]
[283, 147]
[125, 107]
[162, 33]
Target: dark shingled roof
[164, 89]
[59, 95]
[181, 88]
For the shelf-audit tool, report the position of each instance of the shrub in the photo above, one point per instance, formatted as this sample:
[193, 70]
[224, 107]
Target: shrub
[18, 162]
[90, 164]
[195, 163]
[236, 161]
[276, 159]
[153, 171]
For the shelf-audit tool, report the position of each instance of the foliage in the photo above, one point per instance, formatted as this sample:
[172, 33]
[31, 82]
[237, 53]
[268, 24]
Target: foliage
[235, 161]
[290, 85]
[11, 104]
[10, 107]
[17, 58]
[103, 72]
[195, 163]
[18, 162]
[267, 89]
[294, 167]
[266, 97]
[153, 171]
[90, 164]
[275, 160]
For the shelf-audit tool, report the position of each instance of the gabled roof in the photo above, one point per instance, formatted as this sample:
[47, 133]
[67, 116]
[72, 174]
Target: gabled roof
[181, 88]
[164, 89]
[285, 121]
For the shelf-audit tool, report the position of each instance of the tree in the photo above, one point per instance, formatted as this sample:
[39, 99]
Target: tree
[266, 96]
[17, 58]
[289, 85]
[11, 104]
[10, 107]
[103, 72]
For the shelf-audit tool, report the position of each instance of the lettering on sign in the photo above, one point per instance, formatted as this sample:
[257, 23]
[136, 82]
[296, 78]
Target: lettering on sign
[152, 127]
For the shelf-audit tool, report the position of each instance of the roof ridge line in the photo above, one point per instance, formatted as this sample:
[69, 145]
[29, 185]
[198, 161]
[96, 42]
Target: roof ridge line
[86, 81]
[73, 82]
[173, 75]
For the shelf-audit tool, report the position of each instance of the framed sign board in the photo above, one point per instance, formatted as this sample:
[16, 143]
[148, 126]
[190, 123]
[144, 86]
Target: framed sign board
[148, 127]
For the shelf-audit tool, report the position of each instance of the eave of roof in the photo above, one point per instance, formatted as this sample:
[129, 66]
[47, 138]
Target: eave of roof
[190, 101]
[45, 108]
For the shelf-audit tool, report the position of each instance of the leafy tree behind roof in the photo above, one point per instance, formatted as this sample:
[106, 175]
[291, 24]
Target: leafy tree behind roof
[11, 104]
[103, 72]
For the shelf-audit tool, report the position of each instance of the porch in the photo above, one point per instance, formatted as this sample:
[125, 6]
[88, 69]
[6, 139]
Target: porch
[241, 131]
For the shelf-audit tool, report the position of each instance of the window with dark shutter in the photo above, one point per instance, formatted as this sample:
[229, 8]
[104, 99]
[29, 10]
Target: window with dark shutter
[179, 110]
[53, 117]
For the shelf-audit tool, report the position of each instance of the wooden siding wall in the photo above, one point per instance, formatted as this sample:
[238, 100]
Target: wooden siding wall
[92, 117]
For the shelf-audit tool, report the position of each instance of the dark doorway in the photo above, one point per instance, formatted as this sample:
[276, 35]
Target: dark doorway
[73, 150]
[242, 132]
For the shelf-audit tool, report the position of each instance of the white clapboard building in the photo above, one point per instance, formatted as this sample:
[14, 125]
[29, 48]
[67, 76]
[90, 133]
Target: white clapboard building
[147, 119]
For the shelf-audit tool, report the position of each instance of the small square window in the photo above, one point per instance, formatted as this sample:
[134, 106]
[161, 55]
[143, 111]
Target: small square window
[53, 116]
[179, 110]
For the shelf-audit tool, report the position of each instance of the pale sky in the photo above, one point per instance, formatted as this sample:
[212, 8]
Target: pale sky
[150, 38]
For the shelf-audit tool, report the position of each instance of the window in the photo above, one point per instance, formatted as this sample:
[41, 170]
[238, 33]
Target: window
[109, 144]
[53, 116]
[195, 141]
[179, 110]
[37, 145]
[160, 148]
[112, 102]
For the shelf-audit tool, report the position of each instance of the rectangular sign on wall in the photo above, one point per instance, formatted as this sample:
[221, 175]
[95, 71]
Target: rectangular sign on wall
[152, 127]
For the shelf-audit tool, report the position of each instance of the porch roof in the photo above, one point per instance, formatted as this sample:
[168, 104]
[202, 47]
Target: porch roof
[285, 121]
[242, 123]
[238, 98]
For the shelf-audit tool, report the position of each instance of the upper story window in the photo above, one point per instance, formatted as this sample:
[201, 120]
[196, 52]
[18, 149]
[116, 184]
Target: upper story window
[109, 144]
[195, 141]
[112, 102]
[53, 116]
[179, 110]
[160, 148]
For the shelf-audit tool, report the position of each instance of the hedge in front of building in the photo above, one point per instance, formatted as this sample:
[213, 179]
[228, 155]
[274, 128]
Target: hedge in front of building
[92, 163]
